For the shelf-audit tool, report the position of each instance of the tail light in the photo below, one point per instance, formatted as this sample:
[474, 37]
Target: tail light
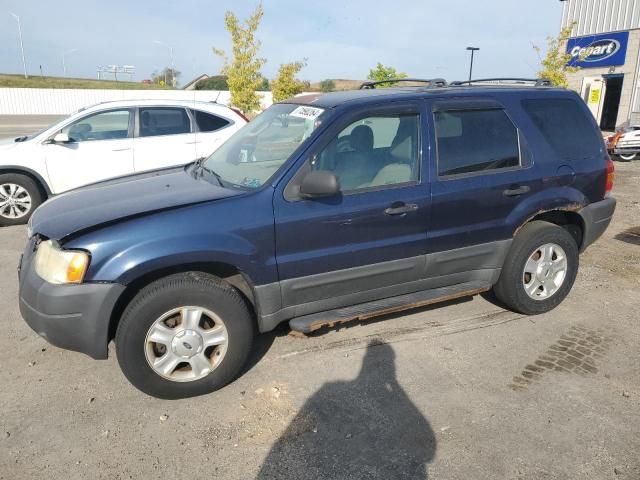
[239, 112]
[608, 186]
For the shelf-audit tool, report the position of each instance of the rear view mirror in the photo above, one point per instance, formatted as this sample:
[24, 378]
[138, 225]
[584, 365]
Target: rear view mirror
[61, 138]
[320, 183]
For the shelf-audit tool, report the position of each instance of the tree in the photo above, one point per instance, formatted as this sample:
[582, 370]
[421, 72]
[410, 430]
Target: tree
[384, 73]
[216, 82]
[285, 85]
[166, 76]
[264, 85]
[327, 85]
[555, 65]
[243, 69]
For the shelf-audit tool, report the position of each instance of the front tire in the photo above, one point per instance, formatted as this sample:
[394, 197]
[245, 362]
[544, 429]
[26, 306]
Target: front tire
[628, 157]
[539, 270]
[184, 335]
[19, 197]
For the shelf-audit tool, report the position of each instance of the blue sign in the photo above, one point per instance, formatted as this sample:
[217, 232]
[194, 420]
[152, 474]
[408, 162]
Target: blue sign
[602, 50]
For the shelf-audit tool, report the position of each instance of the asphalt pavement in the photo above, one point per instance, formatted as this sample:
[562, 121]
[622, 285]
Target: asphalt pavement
[17, 125]
[463, 390]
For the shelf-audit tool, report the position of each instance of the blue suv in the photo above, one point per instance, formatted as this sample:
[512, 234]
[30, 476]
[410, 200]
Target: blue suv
[324, 209]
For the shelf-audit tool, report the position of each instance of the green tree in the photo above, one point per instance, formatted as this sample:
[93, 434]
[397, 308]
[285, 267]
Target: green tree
[555, 64]
[327, 85]
[243, 69]
[264, 85]
[384, 73]
[216, 82]
[285, 85]
[166, 76]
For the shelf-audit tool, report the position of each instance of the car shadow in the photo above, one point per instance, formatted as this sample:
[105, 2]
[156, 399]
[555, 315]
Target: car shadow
[363, 428]
[630, 235]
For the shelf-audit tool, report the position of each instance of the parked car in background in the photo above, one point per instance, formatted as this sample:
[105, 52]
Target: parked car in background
[324, 209]
[625, 143]
[107, 140]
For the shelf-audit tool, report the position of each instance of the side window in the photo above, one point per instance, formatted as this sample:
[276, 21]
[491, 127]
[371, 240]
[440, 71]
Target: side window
[373, 152]
[163, 121]
[110, 125]
[565, 126]
[208, 122]
[475, 141]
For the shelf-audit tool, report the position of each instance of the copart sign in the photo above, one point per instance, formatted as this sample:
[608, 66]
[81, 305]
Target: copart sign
[602, 50]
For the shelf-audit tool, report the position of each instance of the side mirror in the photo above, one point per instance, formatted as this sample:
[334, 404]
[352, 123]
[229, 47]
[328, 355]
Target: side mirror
[320, 183]
[61, 138]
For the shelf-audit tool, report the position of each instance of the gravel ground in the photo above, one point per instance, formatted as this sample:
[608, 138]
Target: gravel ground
[463, 390]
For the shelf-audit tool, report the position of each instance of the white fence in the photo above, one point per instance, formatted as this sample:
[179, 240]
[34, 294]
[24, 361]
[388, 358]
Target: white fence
[49, 101]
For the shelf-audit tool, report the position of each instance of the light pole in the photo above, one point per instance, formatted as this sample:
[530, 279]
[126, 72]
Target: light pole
[24, 63]
[64, 63]
[173, 70]
[472, 50]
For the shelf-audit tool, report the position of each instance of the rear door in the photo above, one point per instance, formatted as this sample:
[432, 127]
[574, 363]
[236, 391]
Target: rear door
[483, 171]
[211, 131]
[163, 138]
[373, 235]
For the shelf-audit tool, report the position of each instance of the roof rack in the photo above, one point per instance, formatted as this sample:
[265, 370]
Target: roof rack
[432, 82]
[537, 82]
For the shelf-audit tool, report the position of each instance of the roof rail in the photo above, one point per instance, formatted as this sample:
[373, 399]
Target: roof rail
[433, 82]
[537, 82]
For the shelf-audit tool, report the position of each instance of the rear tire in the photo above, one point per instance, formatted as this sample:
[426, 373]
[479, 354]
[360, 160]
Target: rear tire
[539, 270]
[20, 195]
[168, 350]
[628, 158]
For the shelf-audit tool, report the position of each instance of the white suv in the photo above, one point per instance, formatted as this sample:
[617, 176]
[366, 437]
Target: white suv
[104, 141]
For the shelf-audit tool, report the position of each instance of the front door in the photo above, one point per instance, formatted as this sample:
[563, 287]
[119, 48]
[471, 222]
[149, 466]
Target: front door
[373, 235]
[100, 148]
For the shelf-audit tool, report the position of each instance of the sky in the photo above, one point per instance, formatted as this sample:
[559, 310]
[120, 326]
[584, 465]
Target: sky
[339, 38]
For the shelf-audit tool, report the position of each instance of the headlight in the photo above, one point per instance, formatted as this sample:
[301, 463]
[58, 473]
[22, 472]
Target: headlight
[58, 266]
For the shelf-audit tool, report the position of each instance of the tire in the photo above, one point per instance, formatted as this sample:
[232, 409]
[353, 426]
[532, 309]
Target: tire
[23, 193]
[527, 251]
[143, 321]
[628, 158]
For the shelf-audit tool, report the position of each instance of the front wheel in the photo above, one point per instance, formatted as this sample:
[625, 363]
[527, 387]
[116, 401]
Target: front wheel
[628, 157]
[184, 335]
[539, 270]
[19, 197]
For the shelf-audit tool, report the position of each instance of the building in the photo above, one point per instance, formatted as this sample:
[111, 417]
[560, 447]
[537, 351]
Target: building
[605, 43]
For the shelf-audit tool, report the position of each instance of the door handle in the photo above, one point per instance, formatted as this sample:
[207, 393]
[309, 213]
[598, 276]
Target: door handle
[121, 149]
[514, 192]
[401, 208]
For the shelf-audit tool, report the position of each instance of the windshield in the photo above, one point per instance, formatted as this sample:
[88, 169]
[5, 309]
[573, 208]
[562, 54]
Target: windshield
[253, 154]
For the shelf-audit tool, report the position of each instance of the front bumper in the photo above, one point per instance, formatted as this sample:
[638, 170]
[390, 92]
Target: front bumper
[74, 317]
[626, 151]
[596, 218]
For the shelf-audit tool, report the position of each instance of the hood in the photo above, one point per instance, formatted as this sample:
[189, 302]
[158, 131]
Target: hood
[129, 196]
[8, 143]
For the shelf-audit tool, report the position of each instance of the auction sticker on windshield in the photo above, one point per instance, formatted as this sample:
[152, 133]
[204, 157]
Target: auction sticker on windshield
[306, 112]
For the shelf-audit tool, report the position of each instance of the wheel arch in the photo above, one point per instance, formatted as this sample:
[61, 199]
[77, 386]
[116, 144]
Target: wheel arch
[35, 176]
[564, 216]
[225, 271]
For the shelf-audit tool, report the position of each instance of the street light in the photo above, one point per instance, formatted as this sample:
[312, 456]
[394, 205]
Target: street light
[64, 64]
[24, 64]
[173, 70]
[472, 50]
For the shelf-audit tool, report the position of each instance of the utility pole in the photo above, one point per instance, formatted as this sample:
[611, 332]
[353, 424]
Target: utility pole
[64, 64]
[173, 70]
[472, 50]
[24, 63]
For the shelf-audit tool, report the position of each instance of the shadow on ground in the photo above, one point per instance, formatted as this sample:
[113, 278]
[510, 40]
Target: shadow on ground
[364, 428]
[631, 235]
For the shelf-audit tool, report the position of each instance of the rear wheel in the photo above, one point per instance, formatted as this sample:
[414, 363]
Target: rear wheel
[539, 270]
[628, 157]
[184, 335]
[19, 197]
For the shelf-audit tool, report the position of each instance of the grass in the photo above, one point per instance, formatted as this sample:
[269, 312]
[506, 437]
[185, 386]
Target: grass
[18, 81]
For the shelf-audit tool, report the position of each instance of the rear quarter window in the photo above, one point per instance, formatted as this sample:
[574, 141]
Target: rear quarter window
[566, 126]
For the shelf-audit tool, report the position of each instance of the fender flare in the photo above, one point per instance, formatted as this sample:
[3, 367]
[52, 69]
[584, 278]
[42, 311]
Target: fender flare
[29, 172]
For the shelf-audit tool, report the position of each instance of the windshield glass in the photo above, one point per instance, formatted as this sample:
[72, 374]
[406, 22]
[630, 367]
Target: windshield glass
[253, 154]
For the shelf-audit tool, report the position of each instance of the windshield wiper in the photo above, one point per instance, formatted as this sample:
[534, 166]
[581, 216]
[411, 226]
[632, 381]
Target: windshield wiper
[21, 139]
[200, 168]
